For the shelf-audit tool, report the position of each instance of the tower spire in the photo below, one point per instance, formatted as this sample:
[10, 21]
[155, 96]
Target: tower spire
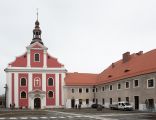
[37, 32]
[37, 13]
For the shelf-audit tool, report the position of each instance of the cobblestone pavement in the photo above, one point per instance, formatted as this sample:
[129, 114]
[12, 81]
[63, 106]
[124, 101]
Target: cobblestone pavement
[83, 114]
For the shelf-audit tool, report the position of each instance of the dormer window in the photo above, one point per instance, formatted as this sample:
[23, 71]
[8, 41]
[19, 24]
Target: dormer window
[109, 76]
[36, 57]
[126, 70]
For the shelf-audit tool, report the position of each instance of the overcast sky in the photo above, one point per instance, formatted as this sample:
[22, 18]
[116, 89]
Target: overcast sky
[85, 35]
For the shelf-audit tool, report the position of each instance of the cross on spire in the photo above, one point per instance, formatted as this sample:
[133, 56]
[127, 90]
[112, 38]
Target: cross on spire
[37, 13]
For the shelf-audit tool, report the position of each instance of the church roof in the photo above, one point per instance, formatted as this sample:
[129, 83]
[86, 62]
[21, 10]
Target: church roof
[129, 66]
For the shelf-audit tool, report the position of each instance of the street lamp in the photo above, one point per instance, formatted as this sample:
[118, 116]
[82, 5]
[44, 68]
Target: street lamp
[6, 87]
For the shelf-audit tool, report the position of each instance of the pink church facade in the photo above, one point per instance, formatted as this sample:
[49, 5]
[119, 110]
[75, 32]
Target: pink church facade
[35, 79]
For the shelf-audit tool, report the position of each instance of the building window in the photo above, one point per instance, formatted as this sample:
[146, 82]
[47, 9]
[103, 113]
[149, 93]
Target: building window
[72, 90]
[110, 87]
[119, 86]
[80, 90]
[119, 99]
[103, 101]
[93, 89]
[23, 95]
[80, 101]
[23, 82]
[50, 82]
[150, 83]
[110, 100]
[93, 100]
[87, 101]
[36, 57]
[127, 85]
[136, 83]
[103, 88]
[50, 94]
[127, 99]
[87, 90]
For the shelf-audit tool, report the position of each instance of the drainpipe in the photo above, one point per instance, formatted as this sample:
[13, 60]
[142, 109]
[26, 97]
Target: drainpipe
[94, 92]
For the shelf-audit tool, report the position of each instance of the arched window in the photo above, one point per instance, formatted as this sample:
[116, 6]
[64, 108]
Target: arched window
[50, 82]
[23, 82]
[23, 94]
[37, 57]
[50, 94]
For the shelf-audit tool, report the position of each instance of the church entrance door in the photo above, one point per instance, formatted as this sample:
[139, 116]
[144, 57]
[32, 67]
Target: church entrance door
[37, 103]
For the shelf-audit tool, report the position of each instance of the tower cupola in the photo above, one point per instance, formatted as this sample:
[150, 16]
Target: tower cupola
[37, 33]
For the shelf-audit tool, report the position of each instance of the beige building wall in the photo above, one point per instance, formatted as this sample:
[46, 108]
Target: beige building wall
[146, 95]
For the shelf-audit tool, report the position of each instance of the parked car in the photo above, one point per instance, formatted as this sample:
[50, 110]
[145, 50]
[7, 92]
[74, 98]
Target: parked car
[121, 106]
[96, 106]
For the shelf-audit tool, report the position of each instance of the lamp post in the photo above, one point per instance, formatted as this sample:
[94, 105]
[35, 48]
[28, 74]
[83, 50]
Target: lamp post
[6, 87]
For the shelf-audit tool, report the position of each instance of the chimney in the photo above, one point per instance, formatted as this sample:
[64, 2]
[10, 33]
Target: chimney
[140, 53]
[126, 57]
[113, 65]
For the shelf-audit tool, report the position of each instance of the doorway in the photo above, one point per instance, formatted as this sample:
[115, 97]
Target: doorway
[37, 103]
[72, 103]
[136, 102]
[151, 103]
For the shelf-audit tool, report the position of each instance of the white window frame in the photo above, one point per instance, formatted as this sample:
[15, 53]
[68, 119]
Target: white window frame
[88, 90]
[20, 94]
[39, 82]
[48, 94]
[72, 89]
[153, 83]
[34, 57]
[48, 82]
[94, 90]
[103, 89]
[20, 82]
[110, 89]
[128, 83]
[120, 86]
[134, 83]
[82, 90]
[103, 99]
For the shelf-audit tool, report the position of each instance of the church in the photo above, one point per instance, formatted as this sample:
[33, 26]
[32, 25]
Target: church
[35, 79]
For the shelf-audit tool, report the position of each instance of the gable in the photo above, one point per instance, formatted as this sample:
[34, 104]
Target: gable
[53, 62]
[20, 61]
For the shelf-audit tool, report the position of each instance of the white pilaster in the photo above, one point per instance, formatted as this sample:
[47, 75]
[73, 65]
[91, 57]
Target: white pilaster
[62, 87]
[45, 58]
[28, 57]
[31, 103]
[57, 89]
[29, 82]
[30, 89]
[16, 90]
[9, 90]
[44, 89]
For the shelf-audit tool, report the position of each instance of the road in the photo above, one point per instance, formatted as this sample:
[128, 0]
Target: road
[76, 115]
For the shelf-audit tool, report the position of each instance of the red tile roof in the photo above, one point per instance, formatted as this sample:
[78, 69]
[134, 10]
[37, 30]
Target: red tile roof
[80, 79]
[137, 64]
